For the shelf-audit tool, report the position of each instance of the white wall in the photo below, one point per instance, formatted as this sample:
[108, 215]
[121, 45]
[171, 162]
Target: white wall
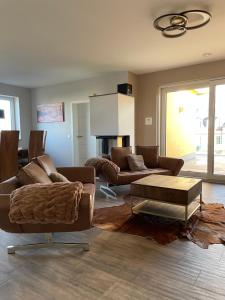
[59, 139]
[24, 96]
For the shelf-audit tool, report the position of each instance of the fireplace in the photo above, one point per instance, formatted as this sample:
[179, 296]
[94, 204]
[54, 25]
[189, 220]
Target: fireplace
[112, 121]
[106, 142]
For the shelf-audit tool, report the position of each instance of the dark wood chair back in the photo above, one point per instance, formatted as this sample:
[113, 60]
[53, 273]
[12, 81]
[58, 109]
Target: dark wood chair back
[36, 143]
[9, 140]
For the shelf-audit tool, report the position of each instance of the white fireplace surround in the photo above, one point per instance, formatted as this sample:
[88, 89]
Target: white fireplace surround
[112, 115]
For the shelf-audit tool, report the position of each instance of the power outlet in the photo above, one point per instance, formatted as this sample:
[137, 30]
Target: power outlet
[148, 121]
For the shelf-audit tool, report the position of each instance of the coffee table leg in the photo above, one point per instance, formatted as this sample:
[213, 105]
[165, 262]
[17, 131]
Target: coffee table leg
[200, 201]
[186, 215]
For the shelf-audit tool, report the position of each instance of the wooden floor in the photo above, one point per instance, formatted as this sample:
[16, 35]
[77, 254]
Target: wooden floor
[118, 266]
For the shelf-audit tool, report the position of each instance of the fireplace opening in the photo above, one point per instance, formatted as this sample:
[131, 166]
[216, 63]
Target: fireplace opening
[105, 143]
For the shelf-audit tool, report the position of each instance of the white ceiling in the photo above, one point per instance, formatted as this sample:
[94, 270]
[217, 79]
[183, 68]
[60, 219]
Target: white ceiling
[45, 42]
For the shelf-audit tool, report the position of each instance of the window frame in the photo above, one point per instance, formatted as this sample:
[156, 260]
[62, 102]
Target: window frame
[15, 112]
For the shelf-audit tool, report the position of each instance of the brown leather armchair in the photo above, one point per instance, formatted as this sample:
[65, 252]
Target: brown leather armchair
[85, 213]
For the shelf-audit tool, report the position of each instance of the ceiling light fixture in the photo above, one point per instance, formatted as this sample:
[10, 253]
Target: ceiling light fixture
[177, 24]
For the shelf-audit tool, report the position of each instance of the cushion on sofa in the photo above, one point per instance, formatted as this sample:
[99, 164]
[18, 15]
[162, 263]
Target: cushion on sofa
[119, 156]
[136, 162]
[46, 163]
[150, 155]
[32, 173]
[57, 177]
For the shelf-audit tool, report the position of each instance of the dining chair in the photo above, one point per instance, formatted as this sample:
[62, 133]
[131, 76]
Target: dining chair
[36, 143]
[9, 140]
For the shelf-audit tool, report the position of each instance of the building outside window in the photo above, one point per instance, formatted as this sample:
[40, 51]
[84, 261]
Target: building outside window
[9, 113]
[219, 140]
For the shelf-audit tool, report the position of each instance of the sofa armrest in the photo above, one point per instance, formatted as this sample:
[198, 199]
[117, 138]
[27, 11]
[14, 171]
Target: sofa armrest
[172, 164]
[9, 185]
[5, 223]
[4, 202]
[86, 208]
[110, 172]
[83, 174]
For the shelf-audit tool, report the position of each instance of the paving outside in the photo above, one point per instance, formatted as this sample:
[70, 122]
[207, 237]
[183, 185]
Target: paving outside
[199, 164]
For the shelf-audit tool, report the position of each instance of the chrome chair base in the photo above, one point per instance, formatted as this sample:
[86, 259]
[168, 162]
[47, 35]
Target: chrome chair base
[108, 192]
[49, 244]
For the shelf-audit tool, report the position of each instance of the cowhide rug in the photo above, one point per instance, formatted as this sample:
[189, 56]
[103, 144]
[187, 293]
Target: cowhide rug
[204, 228]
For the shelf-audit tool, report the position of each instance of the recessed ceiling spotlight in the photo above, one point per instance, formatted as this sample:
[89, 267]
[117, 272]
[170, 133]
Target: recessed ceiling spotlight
[177, 24]
[207, 54]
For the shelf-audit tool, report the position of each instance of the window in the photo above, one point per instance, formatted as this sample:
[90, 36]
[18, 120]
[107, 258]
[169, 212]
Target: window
[9, 113]
[179, 134]
[219, 140]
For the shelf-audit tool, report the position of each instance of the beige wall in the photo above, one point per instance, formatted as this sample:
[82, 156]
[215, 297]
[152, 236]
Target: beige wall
[59, 134]
[133, 79]
[148, 93]
[180, 132]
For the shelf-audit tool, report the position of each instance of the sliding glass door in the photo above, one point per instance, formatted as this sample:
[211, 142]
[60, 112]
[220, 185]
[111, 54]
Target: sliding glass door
[219, 130]
[193, 128]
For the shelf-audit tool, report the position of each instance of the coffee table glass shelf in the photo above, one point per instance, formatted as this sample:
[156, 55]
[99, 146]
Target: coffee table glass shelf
[164, 209]
[167, 196]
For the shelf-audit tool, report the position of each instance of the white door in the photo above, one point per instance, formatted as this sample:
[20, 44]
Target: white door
[84, 143]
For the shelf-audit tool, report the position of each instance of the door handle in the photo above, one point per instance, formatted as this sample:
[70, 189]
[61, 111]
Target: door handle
[79, 136]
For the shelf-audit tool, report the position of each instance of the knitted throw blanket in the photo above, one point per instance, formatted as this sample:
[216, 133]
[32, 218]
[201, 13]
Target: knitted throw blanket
[46, 203]
[99, 162]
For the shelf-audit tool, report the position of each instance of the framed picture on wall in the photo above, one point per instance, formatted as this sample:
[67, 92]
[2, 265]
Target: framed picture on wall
[50, 113]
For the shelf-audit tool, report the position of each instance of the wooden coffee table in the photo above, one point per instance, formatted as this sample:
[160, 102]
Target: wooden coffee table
[167, 196]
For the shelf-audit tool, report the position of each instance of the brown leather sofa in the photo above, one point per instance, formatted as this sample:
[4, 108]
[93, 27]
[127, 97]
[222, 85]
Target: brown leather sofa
[155, 165]
[44, 164]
